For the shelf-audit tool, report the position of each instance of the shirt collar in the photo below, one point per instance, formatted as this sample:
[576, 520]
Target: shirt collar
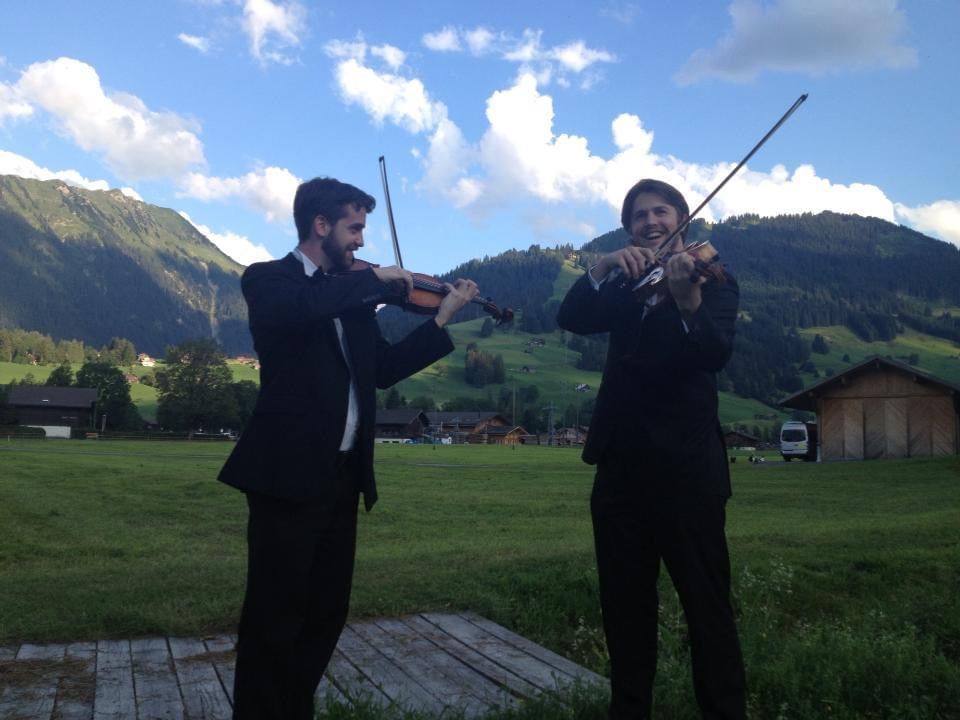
[309, 268]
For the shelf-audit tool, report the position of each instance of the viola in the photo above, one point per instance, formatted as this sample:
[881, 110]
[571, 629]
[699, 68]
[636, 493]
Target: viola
[428, 292]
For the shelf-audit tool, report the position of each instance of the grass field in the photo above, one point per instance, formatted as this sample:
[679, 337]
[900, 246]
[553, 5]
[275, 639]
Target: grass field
[846, 575]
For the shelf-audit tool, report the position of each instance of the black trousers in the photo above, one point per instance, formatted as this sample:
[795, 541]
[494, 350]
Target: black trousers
[636, 525]
[299, 574]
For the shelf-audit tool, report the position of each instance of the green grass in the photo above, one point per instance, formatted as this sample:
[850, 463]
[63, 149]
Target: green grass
[846, 575]
[937, 356]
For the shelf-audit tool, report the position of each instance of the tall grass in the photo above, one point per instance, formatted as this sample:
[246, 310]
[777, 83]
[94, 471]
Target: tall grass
[846, 576]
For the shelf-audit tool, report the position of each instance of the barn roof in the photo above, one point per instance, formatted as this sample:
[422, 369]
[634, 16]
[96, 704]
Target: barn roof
[50, 396]
[806, 399]
[400, 416]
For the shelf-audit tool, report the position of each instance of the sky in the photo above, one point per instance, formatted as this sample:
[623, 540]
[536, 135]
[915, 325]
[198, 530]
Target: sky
[503, 125]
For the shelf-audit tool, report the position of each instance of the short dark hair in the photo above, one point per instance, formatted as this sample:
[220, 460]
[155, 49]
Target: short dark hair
[328, 197]
[669, 193]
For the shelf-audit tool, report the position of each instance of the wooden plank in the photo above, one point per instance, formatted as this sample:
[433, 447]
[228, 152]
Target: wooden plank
[895, 420]
[350, 680]
[517, 661]
[456, 684]
[203, 693]
[223, 655]
[78, 686]
[438, 694]
[30, 689]
[154, 680]
[114, 697]
[503, 678]
[874, 428]
[831, 436]
[564, 665]
[918, 422]
[943, 433]
[853, 429]
[400, 687]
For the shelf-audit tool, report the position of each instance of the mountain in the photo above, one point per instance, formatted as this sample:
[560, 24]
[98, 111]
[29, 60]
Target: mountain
[92, 265]
[817, 292]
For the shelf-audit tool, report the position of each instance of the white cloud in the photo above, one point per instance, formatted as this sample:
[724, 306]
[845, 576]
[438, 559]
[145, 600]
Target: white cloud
[446, 40]
[273, 28]
[811, 36]
[12, 105]
[479, 40]
[13, 164]
[527, 50]
[520, 157]
[269, 191]
[622, 12]
[940, 219]
[201, 44]
[389, 97]
[392, 56]
[577, 57]
[135, 142]
[131, 193]
[343, 49]
[234, 246]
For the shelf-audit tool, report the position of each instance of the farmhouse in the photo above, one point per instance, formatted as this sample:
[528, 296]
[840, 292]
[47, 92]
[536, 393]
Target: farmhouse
[737, 439]
[460, 424]
[882, 408]
[56, 409]
[498, 435]
[400, 424]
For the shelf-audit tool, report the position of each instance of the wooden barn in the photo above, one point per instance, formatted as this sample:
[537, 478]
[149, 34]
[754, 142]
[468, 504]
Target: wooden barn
[50, 407]
[401, 424]
[882, 408]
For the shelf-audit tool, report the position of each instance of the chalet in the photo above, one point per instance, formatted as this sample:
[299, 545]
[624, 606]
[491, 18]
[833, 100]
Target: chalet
[132, 378]
[145, 360]
[737, 439]
[55, 409]
[569, 436]
[498, 435]
[883, 408]
[460, 424]
[400, 424]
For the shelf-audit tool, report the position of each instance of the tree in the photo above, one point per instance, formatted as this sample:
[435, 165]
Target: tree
[245, 392]
[120, 351]
[62, 376]
[423, 402]
[195, 390]
[113, 396]
[486, 330]
[819, 345]
[394, 400]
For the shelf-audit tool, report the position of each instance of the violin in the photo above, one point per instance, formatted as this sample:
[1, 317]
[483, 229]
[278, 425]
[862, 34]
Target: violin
[704, 254]
[428, 292]
[705, 264]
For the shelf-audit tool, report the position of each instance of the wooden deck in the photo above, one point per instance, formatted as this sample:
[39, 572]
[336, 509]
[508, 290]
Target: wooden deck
[428, 662]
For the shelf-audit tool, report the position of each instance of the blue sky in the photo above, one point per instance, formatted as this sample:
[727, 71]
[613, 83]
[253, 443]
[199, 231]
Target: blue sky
[503, 124]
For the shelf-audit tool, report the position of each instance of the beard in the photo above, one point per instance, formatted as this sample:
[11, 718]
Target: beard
[336, 254]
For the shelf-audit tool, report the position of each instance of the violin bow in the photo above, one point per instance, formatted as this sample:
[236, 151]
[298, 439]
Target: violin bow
[393, 227]
[661, 248]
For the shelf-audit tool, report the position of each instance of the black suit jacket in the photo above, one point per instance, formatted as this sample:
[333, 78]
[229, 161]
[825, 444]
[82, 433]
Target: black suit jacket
[289, 448]
[657, 403]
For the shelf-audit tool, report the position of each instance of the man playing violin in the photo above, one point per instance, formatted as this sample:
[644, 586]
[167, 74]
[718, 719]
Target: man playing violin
[307, 452]
[662, 477]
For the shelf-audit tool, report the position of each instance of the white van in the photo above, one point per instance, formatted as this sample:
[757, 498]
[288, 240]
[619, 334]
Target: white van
[798, 440]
